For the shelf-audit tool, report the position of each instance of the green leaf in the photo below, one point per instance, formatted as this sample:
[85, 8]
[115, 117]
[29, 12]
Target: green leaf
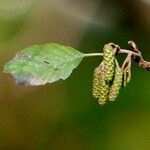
[41, 64]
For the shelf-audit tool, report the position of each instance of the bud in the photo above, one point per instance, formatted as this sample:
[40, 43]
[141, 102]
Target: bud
[115, 87]
[109, 62]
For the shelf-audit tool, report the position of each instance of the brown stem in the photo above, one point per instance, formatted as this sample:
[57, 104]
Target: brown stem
[136, 54]
[127, 62]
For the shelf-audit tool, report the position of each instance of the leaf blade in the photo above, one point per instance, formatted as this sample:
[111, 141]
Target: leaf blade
[41, 64]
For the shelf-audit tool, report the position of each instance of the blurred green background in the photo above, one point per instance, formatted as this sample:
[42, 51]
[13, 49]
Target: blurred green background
[64, 115]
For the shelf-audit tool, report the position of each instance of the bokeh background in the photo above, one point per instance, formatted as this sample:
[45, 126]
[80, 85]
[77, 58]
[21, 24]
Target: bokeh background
[64, 115]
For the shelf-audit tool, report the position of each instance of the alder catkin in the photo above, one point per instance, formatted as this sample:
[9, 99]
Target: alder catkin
[104, 93]
[124, 82]
[116, 85]
[103, 86]
[109, 62]
[96, 83]
[126, 77]
[100, 87]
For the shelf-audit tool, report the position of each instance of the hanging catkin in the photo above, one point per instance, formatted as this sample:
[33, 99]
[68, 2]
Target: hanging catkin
[116, 85]
[109, 62]
[100, 87]
[96, 83]
[126, 77]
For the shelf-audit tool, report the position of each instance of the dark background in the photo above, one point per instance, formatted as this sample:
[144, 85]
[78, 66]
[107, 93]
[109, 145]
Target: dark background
[64, 115]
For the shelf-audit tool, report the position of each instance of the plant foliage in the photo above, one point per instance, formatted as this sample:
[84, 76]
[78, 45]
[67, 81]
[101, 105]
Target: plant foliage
[41, 64]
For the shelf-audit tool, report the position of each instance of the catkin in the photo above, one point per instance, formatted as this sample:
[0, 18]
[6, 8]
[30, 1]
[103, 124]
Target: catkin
[116, 85]
[124, 82]
[103, 86]
[96, 83]
[126, 77]
[109, 62]
[100, 87]
[104, 93]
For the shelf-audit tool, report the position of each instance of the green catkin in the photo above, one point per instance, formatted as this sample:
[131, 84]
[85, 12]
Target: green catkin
[124, 83]
[96, 83]
[109, 62]
[100, 88]
[104, 93]
[126, 77]
[116, 85]
[103, 87]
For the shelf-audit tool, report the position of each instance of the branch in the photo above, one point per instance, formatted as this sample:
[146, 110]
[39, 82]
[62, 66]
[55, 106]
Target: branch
[93, 54]
[135, 54]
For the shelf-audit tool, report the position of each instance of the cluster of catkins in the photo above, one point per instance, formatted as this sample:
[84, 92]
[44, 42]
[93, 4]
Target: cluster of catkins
[109, 77]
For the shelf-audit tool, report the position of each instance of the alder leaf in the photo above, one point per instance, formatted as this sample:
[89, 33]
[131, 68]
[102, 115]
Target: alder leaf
[41, 64]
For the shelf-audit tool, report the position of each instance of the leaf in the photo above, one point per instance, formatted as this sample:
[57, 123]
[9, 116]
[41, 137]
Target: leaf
[41, 64]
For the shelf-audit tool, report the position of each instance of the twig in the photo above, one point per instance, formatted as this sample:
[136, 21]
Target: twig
[93, 54]
[135, 54]
[139, 59]
[127, 62]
